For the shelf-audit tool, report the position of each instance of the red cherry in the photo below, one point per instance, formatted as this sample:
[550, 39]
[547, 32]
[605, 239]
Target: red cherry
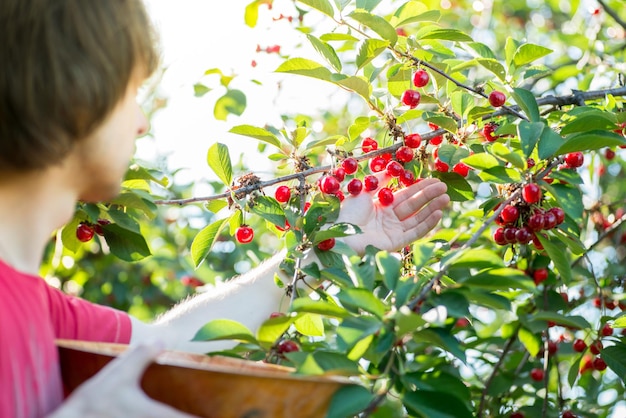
[609, 154]
[586, 364]
[599, 364]
[441, 166]
[537, 374]
[535, 222]
[596, 347]
[287, 346]
[394, 169]
[385, 196]
[574, 159]
[244, 234]
[339, 173]
[282, 194]
[517, 414]
[530, 163]
[420, 78]
[329, 185]
[549, 220]
[461, 169]
[370, 183]
[540, 275]
[191, 281]
[405, 154]
[413, 140]
[498, 237]
[559, 213]
[531, 193]
[411, 98]
[462, 323]
[98, 226]
[407, 178]
[350, 165]
[84, 232]
[523, 235]
[489, 131]
[568, 414]
[369, 144]
[497, 98]
[340, 195]
[597, 302]
[552, 348]
[377, 164]
[510, 233]
[327, 244]
[355, 186]
[509, 214]
[607, 330]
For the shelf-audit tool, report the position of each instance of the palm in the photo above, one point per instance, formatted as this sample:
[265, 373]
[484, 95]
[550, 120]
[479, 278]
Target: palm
[414, 212]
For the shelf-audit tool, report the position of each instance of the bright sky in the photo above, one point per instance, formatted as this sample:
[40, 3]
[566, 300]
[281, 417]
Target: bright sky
[197, 35]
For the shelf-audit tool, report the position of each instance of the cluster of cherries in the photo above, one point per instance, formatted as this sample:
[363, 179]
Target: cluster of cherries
[85, 231]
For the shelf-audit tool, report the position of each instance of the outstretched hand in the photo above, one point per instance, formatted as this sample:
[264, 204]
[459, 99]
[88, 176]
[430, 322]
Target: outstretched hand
[414, 212]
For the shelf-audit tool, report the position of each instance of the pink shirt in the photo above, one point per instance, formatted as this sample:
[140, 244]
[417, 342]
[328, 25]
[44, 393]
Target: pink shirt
[32, 315]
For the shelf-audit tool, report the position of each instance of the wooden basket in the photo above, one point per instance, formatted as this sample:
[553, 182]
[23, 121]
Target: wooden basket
[210, 386]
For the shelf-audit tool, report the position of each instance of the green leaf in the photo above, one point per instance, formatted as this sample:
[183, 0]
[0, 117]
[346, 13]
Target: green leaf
[615, 357]
[68, 235]
[354, 329]
[319, 307]
[558, 257]
[377, 24]
[218, 159]
[589, 121]
[529, 133]
[413, 11]
[125, 244]
[494, 66]
[573, 321]
[257, 133]
[203, 242]
[482, 161]
[216, 205]
[570, 198]
[440, 381]
[357, 84]
[349, 401]
[422, 253]
[445, 122]
[462, 103]
[620, 322]
[368, 5]
[310, 325]
[323, 6]
[224, 329]
[251, 15]
[368, 50]
[233, 102]
[528, 53]
[501, 175]
[431, 404]
[502, 151]
[390, 266]
[433, 32]
[362, 299]
[591, 140]
[526, 100]
[530, 340]
[399, 79]
[272, 329]
[549, 143]
[200, 90]
[459, 189]
[326, 51]
[479, 258]
[305, 67]
[500, 279]
[269, 209]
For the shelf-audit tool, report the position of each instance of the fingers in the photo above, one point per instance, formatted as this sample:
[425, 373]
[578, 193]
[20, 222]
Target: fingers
[436, 205]
[411, 200]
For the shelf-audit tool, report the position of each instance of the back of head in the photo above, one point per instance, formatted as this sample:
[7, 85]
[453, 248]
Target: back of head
[65, 64]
